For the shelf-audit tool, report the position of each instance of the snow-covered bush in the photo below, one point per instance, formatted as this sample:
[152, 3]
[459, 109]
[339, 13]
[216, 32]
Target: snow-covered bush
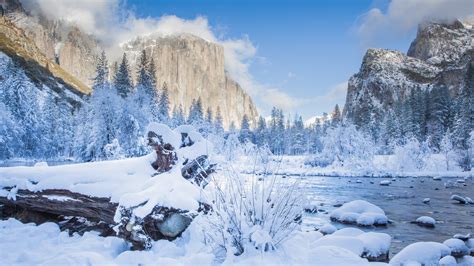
[344, 146]
[113, 150]
[411, 156]
[250, 212]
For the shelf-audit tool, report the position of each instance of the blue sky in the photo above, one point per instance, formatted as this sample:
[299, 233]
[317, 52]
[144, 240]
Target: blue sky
[304, 48]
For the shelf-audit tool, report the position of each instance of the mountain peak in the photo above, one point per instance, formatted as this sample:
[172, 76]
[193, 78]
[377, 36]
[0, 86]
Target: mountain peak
[441, 43]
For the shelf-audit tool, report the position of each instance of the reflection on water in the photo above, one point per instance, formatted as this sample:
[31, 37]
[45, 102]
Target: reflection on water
[402, 201]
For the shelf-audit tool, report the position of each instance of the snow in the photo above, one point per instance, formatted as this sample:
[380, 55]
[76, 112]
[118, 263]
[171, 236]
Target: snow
[421, 253]
[327, 229]
[448, 261]
[361, 212]
[59, 198]
[426, 220]
[101, 179]
[45, 244]
[385, 182]
[457, 246]
[167, 135]
[41, 164]
[128, 181]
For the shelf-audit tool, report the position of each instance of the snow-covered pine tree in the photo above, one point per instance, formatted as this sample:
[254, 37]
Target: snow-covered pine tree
[20, 97]
[98, 123]
[178, 116]
[122, 81]
[336, 116]
[9, 132]
[164, 105]
[277, 131]
[218, 122]
[261, 132]
[438, 115]
[298, 140]
[195, 116]
[245, 134]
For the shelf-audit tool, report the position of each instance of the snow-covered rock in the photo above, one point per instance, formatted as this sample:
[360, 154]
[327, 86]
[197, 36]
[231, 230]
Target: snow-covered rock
[385, 182]
[327, 229]
[421, 253]
[461, 199]
[426, 200]
[41, 164]
[425, 221]
[448, 261]
[374, 246]
[359, 212]
[457, 246]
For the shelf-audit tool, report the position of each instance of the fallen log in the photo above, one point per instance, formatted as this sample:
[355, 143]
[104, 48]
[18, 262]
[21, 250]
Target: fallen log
[77, 212]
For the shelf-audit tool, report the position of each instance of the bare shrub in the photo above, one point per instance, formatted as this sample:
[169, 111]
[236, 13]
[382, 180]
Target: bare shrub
[251, 211]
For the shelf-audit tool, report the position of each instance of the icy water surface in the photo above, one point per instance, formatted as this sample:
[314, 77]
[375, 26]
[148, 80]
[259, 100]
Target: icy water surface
[402, 202]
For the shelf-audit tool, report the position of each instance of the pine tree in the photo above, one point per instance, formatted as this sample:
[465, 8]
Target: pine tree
[277, 131]
[178, 116]
[209, 118]
[438, 115]
[122, 81]
[102, 71]
[464, 120]
[261, 132]
[245, 134]
[336, 117]
[218, 123]
[164, 105]
[195, 112]
[298, 140]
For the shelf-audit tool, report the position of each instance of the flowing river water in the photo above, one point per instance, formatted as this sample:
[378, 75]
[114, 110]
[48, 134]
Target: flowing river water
[402, 202]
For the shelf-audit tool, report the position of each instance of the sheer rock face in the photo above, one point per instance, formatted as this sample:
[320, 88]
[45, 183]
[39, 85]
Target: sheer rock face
[75, 51]
[193, 68]
[15, 46]
[439, 56]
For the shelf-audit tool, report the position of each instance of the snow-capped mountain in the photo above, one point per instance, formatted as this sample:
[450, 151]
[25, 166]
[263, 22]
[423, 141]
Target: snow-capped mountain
[317, 119]
[439, 56]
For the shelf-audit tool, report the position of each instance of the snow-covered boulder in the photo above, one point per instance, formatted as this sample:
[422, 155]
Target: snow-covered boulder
[457, 246]
[359, 212]
[421, 253]
[371, 245]
[448, 261]
[461, 199]
[327, 229]
[41, 164]
[425, 221]
[385, 182]
[311, 208]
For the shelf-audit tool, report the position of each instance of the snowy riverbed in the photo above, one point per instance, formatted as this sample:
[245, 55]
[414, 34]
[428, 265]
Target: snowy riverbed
[402, 202]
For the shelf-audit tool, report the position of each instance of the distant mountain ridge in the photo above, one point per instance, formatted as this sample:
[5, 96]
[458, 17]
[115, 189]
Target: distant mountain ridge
[439, 56]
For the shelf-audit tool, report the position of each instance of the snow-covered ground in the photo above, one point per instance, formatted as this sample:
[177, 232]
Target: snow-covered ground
[381, 166]
[129, 182]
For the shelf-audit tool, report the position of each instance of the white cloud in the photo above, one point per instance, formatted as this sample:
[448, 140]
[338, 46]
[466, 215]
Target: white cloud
[403, 16]
[112, 24]
[291, 75]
